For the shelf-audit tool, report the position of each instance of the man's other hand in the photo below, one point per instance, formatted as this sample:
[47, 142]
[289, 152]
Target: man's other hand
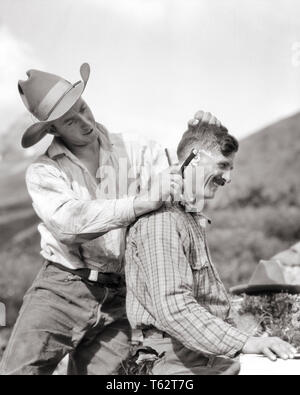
[271, 347]
[202, 117]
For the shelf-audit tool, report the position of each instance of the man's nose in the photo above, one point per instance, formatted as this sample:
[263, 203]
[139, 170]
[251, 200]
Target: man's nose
[85, 123]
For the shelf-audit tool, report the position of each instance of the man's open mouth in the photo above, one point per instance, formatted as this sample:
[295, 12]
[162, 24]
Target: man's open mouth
[214, 184]
[218, 181]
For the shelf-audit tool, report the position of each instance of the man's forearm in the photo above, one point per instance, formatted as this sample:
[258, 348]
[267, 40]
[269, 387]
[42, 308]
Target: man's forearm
[197, 329]
[142, 206]
[78, 221]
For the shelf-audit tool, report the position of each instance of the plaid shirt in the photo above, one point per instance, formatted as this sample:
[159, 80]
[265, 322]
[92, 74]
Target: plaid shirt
[172, 284]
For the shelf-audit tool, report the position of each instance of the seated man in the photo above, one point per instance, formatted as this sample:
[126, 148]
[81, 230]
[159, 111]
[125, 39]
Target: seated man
[176, 303]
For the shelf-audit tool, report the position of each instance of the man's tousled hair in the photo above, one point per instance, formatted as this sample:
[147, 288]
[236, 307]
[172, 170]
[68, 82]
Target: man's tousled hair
[211, 137]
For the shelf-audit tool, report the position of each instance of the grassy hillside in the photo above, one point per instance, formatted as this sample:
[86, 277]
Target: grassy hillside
[258, 215]
[267, 168]
[19, 242]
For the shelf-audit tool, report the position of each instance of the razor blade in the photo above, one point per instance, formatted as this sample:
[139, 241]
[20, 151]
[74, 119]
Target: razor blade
[188, 160]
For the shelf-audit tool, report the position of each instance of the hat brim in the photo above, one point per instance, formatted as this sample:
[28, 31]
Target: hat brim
[265, 288]
[34, 134]
[37, 131]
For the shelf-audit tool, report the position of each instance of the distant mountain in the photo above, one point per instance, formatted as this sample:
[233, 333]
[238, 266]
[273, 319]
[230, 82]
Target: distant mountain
[258, 215]
[11, 140]
[12, 182]
[17, 218]
[267, 169]
[11, 149]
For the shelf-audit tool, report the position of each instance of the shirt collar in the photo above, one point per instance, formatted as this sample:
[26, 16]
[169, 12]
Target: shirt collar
[202, 218]
[206, 218]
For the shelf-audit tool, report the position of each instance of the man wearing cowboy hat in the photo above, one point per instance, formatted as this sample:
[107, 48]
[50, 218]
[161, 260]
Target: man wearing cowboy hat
[76, 305]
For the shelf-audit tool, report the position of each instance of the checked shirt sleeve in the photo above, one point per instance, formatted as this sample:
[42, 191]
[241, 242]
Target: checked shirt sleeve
[170, 283]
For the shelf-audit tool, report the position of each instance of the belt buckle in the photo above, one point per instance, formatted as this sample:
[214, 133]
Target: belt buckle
[137, 337]
[93, 277]
[153, 334]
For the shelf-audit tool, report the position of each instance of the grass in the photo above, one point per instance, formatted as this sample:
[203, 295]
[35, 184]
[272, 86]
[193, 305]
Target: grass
[278, 315]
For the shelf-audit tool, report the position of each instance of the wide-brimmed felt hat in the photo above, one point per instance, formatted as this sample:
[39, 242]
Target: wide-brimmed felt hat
[48, 97]
[268, 277]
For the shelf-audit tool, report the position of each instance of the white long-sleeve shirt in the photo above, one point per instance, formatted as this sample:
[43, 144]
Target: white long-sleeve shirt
[84, 222]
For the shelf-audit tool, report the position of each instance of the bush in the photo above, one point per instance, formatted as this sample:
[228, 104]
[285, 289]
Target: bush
[278, 315]
[240, 238]
[20, 264]
[285, 225]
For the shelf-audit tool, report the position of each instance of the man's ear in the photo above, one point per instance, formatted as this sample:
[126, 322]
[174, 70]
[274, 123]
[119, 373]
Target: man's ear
[51, 129]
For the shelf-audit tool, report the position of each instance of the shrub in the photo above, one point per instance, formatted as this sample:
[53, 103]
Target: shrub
[285, 225]
[278, 315]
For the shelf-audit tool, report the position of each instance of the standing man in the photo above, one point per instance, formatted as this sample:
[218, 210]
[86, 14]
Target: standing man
[76, 304]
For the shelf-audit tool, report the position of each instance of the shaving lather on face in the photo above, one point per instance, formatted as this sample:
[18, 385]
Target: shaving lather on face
[206, 159]
[202, 178]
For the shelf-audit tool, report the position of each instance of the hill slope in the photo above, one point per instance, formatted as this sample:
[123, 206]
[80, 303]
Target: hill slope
[267, 168]
[11, 148]
[258, 215]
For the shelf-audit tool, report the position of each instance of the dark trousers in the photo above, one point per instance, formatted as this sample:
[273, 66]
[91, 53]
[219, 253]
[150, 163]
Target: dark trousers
[62, 314]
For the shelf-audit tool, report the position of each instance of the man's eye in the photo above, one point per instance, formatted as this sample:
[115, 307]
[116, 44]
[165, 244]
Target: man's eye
[69, 123]
[83, 109]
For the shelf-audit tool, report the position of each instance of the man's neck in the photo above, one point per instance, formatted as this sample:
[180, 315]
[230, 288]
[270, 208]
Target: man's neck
[193, 209]
[86, 152]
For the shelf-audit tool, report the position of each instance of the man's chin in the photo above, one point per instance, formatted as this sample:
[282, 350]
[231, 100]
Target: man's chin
[92, 137]
[210, 195]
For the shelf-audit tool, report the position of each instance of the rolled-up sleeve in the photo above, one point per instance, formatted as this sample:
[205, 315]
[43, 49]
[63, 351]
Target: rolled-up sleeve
[170, 283]
[66, 216]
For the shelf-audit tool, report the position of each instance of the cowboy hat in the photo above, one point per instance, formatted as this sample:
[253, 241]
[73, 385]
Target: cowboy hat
[269, 276]
[48, 97]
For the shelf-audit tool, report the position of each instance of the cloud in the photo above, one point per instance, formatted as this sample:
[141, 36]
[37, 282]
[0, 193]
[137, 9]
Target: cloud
[142, 11]
[16, 56]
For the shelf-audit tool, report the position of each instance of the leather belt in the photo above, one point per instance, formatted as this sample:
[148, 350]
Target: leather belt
[139, 335]
[109, 280]
[153, 333]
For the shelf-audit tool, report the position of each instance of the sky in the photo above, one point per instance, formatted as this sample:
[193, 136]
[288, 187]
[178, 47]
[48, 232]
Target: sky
[156, 62]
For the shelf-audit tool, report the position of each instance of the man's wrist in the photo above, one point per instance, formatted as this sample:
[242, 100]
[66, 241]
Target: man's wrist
[251, 345]
[143, 206]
